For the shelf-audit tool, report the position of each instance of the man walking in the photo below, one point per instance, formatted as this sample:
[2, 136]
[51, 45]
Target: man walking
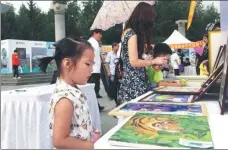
[175, 63]
[96, 36]
[111, 60]
[15, 63]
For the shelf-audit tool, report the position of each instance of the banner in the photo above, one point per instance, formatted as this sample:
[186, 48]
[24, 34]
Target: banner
[106, 48]
[191, 13]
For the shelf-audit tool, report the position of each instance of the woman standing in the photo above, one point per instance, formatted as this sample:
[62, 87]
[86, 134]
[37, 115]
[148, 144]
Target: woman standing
[137, 33]
[204, 56]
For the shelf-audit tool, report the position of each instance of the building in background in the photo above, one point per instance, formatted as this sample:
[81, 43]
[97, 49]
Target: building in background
[5, 7]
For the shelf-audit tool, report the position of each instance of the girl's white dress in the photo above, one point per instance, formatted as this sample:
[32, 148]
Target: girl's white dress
[81, 126]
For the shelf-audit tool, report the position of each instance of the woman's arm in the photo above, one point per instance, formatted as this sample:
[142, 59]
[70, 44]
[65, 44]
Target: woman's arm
[133, 55]
[61, 128]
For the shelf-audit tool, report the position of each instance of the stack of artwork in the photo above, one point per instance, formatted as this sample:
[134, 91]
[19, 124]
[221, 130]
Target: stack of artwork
[168, 118]
[219, 70]
[163, 121]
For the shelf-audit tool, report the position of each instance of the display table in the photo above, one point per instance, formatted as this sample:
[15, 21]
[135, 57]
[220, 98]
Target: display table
[24, 116]
[195, 78]
[218, 125]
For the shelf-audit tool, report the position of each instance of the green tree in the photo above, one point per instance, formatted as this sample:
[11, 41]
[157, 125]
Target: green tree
[50, 26]
[88, 14]
[72, 18]
[31, 22]
[168, 12]
[60, 1]
[23, 24]
[8, 24]
[197, 28]
[202, 17]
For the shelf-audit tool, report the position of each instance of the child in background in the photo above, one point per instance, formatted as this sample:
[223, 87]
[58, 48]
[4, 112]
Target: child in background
[154, 72]
[70, 120]
[187, 62]
[204, 68]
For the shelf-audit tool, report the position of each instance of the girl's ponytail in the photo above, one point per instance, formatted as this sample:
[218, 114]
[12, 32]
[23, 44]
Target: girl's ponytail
[44, 63]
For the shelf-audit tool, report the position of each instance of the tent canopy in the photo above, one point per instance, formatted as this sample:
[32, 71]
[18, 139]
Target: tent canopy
[176, 38]
[177, 41]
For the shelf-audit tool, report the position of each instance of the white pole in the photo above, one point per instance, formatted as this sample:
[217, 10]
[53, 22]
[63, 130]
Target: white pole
[59, 21]
[123, 25]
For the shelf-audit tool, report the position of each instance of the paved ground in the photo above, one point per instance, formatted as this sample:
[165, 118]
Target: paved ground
[107, 122]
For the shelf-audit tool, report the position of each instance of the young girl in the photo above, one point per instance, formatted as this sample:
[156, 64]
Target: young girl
[70, 120]
[204, 68]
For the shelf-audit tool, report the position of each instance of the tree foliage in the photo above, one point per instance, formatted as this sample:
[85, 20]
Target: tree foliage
[32, 24]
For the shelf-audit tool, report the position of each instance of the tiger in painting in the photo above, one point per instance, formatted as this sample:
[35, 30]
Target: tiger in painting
[152, 125]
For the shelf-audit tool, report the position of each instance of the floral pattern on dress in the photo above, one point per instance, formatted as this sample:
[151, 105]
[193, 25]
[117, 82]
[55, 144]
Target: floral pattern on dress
[134, 81]
[81, 126]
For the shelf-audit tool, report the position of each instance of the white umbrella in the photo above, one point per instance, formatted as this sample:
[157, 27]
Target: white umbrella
[115, 12]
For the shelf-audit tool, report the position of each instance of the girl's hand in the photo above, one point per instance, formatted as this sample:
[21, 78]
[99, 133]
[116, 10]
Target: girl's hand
[95, 136]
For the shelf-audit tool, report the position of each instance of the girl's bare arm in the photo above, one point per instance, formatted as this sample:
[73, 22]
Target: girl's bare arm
[61, 128]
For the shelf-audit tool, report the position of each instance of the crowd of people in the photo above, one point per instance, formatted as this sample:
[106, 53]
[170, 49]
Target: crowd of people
[137, 70]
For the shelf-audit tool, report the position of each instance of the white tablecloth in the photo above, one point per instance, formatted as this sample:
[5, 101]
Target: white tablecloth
[218, 126]
[190, 71]
[24, 117]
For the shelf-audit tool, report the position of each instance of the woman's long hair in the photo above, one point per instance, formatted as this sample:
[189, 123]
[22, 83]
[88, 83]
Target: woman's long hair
[141, 22]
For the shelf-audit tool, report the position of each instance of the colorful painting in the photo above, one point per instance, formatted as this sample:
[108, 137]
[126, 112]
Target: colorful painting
[163, 130]
[168, 98]
[181, 90]
[129, 109]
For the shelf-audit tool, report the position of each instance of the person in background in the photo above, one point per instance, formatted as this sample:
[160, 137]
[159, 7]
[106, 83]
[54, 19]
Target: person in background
[111, 60]
[154, 73]
[70, 120]
[204, 56]
[181, 55]
[204, 68]
[20, 69]
[148, 53]
[216, 27]
[187, 62]
[175, 63]
[137, 32]
[165, 71]
[96, 76]
[15, 63]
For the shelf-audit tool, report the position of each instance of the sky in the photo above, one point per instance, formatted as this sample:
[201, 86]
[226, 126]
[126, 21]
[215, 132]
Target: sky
[45, 5]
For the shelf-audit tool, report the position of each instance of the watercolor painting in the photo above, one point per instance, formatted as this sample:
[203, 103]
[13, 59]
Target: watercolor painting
[131, 108]
[169, 89]
[168, 98]
[167, 108]
[163, 130]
